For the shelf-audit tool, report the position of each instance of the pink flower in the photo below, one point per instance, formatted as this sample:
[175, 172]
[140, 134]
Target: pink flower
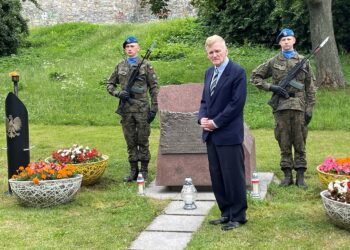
[330, 165]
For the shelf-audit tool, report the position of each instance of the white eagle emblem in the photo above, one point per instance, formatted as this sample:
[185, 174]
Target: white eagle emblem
[13, 126]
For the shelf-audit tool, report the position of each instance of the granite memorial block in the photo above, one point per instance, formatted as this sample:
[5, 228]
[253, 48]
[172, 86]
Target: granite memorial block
[182, 152]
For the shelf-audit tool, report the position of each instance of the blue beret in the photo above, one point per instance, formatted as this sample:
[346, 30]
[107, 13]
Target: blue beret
[130, 39]
[284, 33]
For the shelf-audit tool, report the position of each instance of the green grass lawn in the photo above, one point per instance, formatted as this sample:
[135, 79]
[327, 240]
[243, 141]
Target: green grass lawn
[62, 73]
[110, 214]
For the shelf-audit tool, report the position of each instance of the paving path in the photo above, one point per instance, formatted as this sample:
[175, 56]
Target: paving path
[173, 229]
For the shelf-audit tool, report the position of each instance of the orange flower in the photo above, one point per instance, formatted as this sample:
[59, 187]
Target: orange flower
[29, 171]
[37, 171]
[342, 161]
[36, 181]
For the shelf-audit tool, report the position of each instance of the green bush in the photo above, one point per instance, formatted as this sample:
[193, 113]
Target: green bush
[341, 13]
[259, 21]
[171, 52]
[12, 26]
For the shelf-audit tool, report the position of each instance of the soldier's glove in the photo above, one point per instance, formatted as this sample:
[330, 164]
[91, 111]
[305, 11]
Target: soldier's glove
[151, 115]
[308, 117]
[123, 95]
[279, 91]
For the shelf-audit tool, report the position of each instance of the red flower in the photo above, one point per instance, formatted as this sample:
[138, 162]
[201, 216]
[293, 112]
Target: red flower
[76, 154]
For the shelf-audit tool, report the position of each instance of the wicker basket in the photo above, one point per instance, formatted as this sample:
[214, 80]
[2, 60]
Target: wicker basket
[338, 212]
[91, 171]
[47, 193]
[326, 178]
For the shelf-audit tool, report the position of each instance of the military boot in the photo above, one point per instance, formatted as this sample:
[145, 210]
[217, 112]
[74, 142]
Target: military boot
[134, 171]
[288, 177]
[144, 169]
[300, 178]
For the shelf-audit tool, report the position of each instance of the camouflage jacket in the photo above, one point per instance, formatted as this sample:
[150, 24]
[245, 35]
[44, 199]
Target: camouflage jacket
[277, 68]
[146, 80]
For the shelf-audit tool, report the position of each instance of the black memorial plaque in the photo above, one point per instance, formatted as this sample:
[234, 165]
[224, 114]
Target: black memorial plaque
[17, 133]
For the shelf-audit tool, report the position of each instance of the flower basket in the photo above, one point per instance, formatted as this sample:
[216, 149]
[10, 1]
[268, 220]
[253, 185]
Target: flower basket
[47, 192]
[326, 178]
[88, 161]
[91, 171]
[338, 212]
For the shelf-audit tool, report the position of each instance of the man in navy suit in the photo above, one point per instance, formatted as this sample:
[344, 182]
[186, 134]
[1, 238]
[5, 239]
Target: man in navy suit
[221, 117]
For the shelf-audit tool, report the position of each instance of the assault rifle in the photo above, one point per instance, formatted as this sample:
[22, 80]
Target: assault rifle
[131, 81]
[288, 80]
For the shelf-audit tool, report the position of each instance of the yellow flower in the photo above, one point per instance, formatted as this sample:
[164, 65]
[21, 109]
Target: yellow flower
[13, 73]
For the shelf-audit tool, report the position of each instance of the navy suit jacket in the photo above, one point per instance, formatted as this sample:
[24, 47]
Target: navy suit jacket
[226, 105]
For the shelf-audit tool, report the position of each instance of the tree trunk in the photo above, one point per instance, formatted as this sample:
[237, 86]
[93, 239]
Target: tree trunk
[328, 72]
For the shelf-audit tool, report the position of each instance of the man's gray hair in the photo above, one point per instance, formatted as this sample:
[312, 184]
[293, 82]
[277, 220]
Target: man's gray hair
[214, 39]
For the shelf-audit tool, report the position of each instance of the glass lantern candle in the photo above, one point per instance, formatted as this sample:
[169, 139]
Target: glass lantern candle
[189, 194]
[140, 184]
[255, 186]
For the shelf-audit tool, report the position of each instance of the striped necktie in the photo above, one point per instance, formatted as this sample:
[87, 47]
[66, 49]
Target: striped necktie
[214, 81]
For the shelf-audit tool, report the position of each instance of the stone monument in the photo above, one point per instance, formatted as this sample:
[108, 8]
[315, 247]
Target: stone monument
[181, 150]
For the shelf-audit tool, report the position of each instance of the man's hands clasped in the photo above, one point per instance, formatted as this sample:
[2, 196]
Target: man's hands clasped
[123, 95]
[207, 124]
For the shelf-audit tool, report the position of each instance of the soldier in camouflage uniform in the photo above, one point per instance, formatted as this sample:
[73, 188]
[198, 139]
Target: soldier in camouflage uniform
[294, 111]
[137, 113]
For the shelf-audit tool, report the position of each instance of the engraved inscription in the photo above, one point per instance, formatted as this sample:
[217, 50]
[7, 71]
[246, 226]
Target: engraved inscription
[180, 133]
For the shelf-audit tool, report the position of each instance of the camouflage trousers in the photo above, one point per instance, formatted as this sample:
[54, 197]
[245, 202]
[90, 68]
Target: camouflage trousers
[136, 132]
[291, 132]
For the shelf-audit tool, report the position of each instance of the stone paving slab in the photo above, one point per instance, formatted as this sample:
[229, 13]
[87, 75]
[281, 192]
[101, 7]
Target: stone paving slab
[161, 241]
[173, 229]
[176, 208]
[175, 223]
[174, 193]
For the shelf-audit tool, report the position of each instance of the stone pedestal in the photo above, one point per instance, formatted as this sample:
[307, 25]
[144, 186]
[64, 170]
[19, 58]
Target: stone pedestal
[181, 150]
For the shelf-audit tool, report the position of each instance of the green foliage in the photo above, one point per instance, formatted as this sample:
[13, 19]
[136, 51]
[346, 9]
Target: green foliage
[171, 52]
[265, 18]
[13, 28]
[158, 7]
[341, 13]
[64, 69]
[56, 76]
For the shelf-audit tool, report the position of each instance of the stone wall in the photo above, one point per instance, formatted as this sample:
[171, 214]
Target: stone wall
[98, 11]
